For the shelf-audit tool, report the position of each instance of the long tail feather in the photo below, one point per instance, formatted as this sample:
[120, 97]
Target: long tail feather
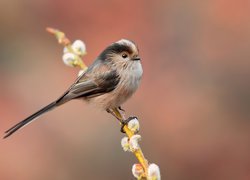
[30, 118]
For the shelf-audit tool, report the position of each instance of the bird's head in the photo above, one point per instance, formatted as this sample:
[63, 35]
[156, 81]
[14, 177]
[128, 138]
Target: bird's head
[123, 51]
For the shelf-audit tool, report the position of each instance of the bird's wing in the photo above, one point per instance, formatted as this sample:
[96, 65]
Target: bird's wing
[95, 82]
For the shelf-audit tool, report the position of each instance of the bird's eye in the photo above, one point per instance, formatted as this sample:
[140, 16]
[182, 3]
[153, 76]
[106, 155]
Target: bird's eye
[124, 55]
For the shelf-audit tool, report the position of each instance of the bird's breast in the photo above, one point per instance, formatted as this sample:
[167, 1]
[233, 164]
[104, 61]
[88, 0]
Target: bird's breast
[128, 84]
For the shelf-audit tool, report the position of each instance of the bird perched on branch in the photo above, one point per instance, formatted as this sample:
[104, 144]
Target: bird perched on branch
[112, 78]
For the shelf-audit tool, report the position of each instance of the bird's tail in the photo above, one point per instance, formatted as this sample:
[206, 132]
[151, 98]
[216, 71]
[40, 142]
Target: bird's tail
[31, 118]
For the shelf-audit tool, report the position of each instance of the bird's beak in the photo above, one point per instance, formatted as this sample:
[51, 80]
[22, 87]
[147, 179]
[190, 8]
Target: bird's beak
[136, 59]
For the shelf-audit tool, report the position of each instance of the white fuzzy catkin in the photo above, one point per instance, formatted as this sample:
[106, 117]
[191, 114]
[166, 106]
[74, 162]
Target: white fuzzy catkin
[154, 172]
[137, 170]
[79, 47]
[125, 144]
[133, 142]
[134, 125]
[69, 59]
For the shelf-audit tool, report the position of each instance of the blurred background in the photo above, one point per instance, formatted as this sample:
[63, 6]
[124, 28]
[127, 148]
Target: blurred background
[193, 102]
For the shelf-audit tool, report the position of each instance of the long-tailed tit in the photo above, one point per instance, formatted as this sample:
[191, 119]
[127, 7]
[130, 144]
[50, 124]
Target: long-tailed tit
[112, 78]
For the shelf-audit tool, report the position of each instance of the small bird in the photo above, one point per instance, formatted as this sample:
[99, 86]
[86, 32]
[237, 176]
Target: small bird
[112, 78]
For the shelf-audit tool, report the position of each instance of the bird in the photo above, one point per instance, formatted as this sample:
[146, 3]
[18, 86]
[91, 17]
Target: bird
[109, 81]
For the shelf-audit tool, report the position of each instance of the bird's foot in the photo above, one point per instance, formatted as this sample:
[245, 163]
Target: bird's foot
[113, 112]
[125, 122]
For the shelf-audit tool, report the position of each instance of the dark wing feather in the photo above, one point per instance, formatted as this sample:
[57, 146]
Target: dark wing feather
[95, 82]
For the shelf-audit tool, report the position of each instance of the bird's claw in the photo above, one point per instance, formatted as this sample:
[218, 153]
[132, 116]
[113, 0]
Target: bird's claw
[125, 122]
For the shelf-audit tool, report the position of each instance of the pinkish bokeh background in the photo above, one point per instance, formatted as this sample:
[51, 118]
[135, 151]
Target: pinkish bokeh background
[193, 102]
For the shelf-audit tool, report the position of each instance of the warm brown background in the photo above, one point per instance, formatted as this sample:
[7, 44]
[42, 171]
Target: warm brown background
[193, 103]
